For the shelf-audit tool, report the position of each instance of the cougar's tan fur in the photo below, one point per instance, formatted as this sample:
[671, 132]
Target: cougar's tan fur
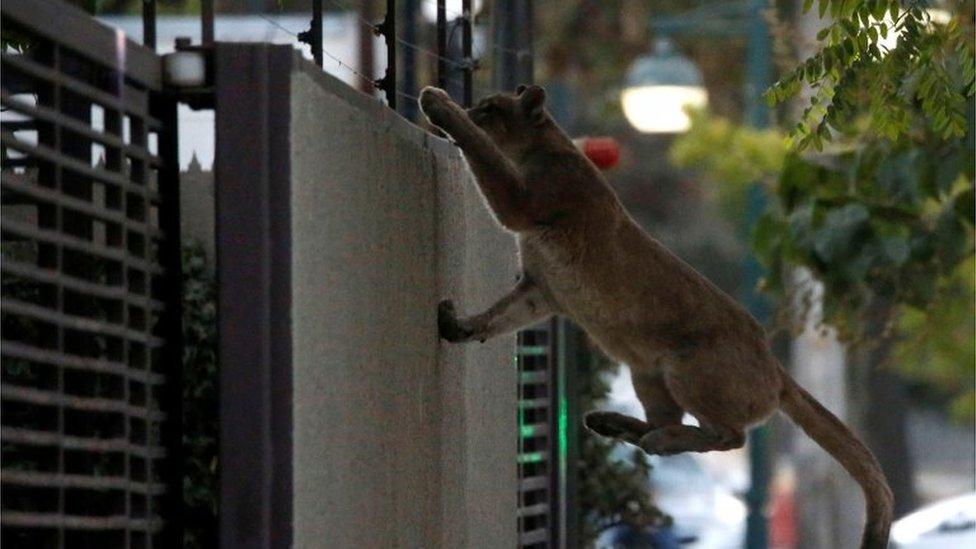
[691, 348]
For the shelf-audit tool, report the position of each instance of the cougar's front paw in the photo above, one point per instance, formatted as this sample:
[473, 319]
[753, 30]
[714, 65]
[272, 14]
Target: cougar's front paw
[447, 323]
[434, 103]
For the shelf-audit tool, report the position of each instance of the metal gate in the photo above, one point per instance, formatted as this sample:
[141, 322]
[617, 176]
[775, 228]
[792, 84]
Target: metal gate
[90, 286]
[542, 438]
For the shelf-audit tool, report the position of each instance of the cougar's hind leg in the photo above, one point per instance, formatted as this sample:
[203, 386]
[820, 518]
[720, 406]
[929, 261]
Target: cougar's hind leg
[615, 425]
[660, 408]
[675, 439]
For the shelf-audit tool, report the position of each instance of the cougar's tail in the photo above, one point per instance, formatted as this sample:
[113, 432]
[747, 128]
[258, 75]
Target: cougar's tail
[834, 437]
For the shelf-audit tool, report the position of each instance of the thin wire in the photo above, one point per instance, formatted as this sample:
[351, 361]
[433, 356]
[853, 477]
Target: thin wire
[277, 24]
[340, 62]
[453, 76]
[447, 60]
[517, 53]
[372, 27]
[407, 95]
[325, 51]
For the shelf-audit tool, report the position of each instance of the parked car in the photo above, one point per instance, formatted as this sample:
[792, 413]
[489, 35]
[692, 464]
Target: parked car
[706, 514]
[947, 524]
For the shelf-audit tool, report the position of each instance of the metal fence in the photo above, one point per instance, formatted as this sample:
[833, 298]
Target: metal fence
[90, 286]
[538, 433]
[91, 340]
[547, 441]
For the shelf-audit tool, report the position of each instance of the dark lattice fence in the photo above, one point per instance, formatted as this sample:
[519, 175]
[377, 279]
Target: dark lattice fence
[90, 285]
[538, 512]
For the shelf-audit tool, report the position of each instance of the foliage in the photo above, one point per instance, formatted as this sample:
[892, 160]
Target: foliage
[873, 219]
[748, 156]
[857, 79]
[200, 427]
[610, 490]
[892, 219]
[942, 348]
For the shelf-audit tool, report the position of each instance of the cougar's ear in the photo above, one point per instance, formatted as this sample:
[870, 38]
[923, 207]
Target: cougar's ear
[531, 100]
[520, 89]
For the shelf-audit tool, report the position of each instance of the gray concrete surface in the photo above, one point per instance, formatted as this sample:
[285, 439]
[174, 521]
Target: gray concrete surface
[400, 440]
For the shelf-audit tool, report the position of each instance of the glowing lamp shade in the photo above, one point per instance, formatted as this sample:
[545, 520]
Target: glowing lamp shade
[659, 88]
[452, 9]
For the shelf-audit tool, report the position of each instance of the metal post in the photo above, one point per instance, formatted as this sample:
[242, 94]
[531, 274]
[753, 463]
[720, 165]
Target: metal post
[503, 37]
[317, 31]
[207, 22]
[410, 57]
[571, 351]
[170, 253]
[758, 66]
[441, 44]
[253, 247]
[467, 62]
[149, 23]
[313, 36]
[388, 30]
[512, 30]
[525, 56]
[366, 49]
[757, 114]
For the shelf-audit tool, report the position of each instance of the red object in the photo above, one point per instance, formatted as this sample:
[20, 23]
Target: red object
[782, 520]
[602, 151]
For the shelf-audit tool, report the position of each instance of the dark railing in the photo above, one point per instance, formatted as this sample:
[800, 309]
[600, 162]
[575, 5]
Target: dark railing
[546, 357]
[90, 286]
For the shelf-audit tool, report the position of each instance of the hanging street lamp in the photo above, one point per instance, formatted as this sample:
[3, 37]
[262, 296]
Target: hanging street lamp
[660, 88]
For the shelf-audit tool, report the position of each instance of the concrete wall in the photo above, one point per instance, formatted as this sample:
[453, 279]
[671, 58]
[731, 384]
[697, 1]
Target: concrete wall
[399, 440]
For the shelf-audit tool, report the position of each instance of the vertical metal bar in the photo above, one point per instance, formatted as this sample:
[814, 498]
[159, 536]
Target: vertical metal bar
[254, 295]
[512, 24]
[441, 44]
[316, 43]
[757, 80]
[553, 440]
[366, 65]
[574, 352]
[758, 65]
[410, 57]
[114, 162]
[171, 322]
[59, 255]
[149, 23]
[207, 21]
[525, 56]
[139, 174]
[467, 62]
[388, 29]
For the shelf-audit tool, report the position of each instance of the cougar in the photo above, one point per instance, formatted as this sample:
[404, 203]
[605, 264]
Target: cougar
[691, 348]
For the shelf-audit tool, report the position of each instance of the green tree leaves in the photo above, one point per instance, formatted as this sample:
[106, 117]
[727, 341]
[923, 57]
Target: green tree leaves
[870, 218]
[877, 63]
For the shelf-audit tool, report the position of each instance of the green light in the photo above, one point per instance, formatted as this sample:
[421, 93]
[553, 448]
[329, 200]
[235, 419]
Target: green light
[563, 429]
[562, 417]
[534, 457]
[533, 350]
